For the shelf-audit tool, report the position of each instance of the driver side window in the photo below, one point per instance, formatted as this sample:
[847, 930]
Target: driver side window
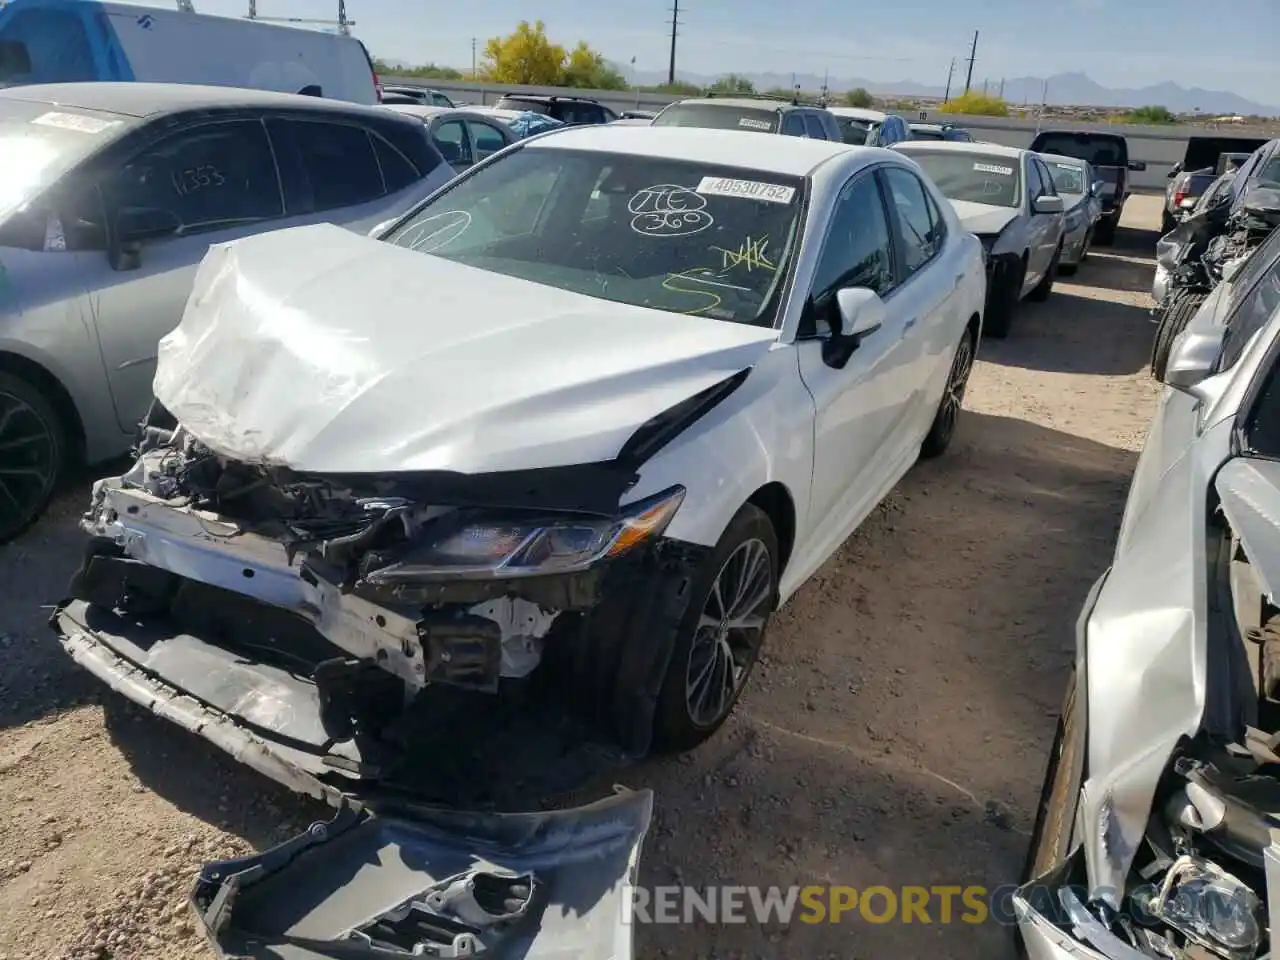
[857, 252]
[213, 176]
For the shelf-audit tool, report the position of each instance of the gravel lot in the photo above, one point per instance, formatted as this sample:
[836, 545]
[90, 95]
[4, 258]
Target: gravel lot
[895, 732]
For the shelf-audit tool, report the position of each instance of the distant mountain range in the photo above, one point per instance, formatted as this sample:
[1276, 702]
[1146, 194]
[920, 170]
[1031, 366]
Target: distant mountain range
[1065, 89]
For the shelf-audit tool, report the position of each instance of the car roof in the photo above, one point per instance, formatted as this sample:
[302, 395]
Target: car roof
[546, 97]
[423, 110]
[746, 103]
[858, 113]
[151, 99]
[789, 156]
[961, 146]
[1059, 158]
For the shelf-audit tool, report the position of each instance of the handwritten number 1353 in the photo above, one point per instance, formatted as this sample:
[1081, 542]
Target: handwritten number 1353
[196, 178]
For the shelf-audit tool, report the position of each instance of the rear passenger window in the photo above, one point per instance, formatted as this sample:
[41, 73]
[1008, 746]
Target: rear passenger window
[397, 171]
[215, 175]
[813, 127]
[793, 125]
[487, 139]
[451, 140]
[919, 224]
[339, 163]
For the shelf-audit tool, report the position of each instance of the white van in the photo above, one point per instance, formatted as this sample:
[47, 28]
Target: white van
[60, 41]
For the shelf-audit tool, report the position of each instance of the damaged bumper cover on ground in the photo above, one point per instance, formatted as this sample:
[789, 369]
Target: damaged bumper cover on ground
[412, 881]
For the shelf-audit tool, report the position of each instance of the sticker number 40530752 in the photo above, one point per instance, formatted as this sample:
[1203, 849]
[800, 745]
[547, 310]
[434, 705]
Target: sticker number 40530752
[747, 189]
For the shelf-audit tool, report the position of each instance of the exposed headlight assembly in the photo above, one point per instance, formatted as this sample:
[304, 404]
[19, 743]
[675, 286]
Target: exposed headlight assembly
[498, 547]
[1210, 907]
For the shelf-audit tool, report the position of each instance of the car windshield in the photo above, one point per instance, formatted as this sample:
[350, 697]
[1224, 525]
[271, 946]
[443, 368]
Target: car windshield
[1270, 174]
[855, 130]
[975, 177]
[927, 133]
[1067, 177]
[716, 116]
[692, 238]
[38, 144]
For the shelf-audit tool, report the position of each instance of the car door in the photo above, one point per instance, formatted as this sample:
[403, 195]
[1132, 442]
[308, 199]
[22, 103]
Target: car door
[451, 139]
[486, 138]
[1040, 250]
[216, 182]
[854, 403]
[924, 297]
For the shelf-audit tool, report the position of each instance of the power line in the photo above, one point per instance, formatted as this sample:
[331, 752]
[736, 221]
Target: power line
[675, 22]
[973, 55]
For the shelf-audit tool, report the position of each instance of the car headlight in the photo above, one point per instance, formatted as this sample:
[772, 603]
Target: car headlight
[503, 547]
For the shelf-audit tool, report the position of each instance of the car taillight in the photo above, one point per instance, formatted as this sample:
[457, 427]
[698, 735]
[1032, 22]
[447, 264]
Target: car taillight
[377, 85]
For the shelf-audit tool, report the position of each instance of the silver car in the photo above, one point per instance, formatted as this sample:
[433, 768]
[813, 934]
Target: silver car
[1156, 834]
[1080, 189]
[463, 137]
[112, 194]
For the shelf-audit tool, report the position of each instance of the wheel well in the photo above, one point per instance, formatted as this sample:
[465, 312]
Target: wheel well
[54, 392]
[972, 329]
[777, 504]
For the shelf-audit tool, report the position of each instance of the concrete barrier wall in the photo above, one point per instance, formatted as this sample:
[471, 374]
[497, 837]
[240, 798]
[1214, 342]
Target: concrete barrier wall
[1158, 147]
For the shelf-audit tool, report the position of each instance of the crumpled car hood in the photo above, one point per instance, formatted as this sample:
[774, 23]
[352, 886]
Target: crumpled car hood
[1250, 492]
[983, 218]
[328, 352]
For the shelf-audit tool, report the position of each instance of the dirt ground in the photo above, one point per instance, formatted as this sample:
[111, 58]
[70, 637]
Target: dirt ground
[895, 732]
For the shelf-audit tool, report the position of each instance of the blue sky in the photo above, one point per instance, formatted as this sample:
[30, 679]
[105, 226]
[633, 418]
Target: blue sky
[1117, 42]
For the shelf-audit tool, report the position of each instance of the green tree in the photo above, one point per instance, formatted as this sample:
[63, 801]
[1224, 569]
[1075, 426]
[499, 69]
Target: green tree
[733, 83]
[976, 104]
[1151, 115]
[587, 69]
[858, 97]
[526, 55]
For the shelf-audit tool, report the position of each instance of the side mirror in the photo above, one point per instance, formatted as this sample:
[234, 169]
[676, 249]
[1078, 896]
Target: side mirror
[134, 226]
[1048, 205]
[1175, 169]
[1137, 165]
[1096, 188]
[859, 313]
[1192, 358]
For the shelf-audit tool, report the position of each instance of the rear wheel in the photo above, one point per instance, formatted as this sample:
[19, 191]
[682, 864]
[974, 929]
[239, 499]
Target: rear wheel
[1167, 222]
[1106, 232]
[33, 449]
[948, 415]
[1182, 307]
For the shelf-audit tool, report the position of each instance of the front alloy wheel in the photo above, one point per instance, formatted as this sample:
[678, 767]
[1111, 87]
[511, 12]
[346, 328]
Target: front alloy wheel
[31, 453]
[944, 421]
[720, 636]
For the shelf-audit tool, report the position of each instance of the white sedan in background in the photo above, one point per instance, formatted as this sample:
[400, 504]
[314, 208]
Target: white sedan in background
[1006, 197]
[622, 383]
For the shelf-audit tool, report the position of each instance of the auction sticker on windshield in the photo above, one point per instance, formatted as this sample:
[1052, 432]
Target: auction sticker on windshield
[992, 168]
[750, 189]
[74, 121]
[755, 124]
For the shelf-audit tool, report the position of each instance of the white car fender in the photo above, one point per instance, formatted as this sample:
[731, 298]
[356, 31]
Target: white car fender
[761, 433]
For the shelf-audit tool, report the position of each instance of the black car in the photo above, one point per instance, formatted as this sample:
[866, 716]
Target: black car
[1108, 153]
[571, 110]
[761, 114]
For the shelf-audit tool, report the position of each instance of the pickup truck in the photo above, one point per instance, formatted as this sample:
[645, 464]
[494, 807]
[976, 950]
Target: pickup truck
[1108, 153]
[1205, 159]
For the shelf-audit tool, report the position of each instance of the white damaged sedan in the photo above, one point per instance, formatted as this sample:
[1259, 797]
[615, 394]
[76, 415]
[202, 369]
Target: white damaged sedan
[590, 414]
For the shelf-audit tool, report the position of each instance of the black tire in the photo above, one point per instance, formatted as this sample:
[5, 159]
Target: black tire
[1182, 307]
[948, 415]
[1040, 293]
[1064, 775]
[34, 441]
[1068, 269]
[675, 727]
[1105, 234]
[1088, 242]
[1167, 222]
[1002, 300]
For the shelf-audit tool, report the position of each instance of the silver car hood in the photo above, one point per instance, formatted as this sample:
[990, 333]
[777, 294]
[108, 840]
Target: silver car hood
[983, 218]
[324, 351]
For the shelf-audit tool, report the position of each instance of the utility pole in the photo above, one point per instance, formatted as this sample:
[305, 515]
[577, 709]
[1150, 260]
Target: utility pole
[950, 71]
[973, 55]
[675, 22]
[1002, 88]
[473, 58]
[826, 74]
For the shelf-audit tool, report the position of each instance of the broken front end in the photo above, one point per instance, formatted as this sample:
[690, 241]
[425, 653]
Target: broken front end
[1159, 834]
[308, 615]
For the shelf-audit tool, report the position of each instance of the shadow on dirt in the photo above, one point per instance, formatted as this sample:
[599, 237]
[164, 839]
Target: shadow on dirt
[1071, 333]
[894, 734]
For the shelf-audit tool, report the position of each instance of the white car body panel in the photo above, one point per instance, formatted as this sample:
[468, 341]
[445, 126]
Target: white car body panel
[543, 377]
